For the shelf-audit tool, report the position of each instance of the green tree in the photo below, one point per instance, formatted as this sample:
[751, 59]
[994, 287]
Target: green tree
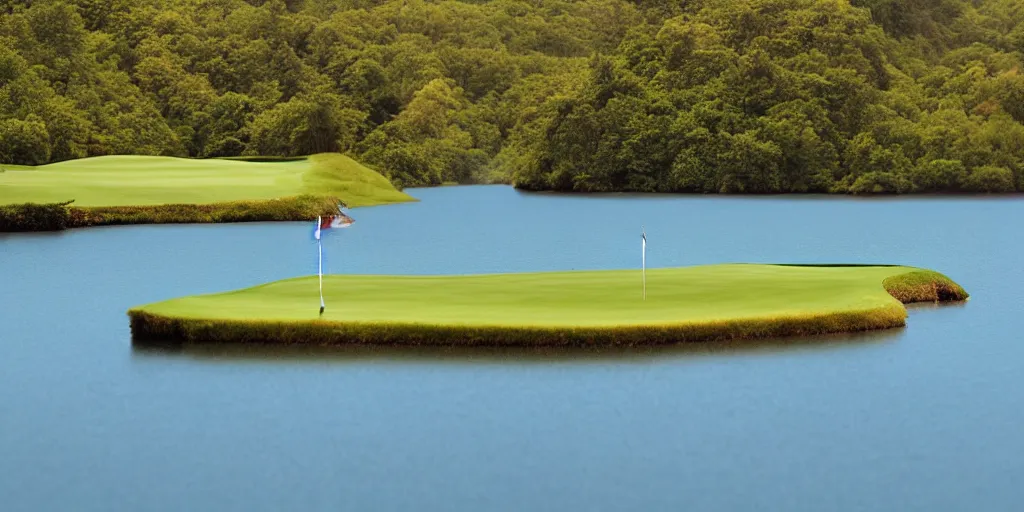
[939, 175]
[24, 142]
[305, 125]
[990, 179]
[752, 96]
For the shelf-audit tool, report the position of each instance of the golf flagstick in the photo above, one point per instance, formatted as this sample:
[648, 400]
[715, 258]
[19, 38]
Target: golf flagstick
[320, 264]
[643, 258]
[331, 222]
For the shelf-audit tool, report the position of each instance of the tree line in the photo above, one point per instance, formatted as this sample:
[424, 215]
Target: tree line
[719, 96]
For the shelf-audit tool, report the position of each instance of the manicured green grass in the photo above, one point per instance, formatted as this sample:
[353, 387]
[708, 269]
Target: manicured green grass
[110, 181]
[558, 308]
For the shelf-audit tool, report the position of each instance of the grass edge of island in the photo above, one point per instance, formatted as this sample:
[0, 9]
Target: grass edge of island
[910, 287]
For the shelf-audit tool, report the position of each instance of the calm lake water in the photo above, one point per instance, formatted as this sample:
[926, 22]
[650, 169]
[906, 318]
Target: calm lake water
[930, 417]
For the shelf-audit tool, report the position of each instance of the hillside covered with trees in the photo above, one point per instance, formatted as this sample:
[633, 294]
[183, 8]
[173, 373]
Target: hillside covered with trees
[731, 96]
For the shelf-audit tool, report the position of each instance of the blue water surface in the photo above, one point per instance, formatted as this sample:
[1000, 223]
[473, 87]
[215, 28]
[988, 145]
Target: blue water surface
[924, 418]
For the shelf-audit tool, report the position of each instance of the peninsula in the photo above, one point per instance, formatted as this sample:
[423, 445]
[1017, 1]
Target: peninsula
[584, 308]
[146, 189]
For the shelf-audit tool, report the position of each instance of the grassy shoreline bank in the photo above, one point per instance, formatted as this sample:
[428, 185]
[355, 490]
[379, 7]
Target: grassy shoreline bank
[60, 216]
[158, 190]
[718, 303]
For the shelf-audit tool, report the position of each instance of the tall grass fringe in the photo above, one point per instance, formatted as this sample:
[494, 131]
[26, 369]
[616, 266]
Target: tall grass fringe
[912, 287]
[60, 216]
[34, 217]
[924, 286]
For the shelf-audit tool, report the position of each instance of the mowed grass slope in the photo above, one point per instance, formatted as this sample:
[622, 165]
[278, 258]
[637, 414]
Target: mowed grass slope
[149, 180]
[547, 307]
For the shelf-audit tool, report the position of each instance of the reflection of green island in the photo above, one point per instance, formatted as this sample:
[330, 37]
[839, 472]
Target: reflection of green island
[146, 189]
[717, 302]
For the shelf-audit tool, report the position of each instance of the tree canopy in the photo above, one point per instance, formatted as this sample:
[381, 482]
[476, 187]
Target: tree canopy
[710, 96]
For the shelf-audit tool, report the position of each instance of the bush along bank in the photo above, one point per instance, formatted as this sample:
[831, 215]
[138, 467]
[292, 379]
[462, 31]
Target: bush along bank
[34, 217]
[59, 216]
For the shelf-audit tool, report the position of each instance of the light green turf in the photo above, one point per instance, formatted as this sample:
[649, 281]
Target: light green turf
[152, 180]
[597, 298]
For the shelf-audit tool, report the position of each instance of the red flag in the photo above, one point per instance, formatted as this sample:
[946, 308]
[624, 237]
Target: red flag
[331, 222]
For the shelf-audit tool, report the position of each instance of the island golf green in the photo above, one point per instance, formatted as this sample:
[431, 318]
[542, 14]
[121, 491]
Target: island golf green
[150, 189]
[716, 302]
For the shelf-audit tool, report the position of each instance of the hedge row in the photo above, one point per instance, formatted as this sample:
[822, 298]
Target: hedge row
[59, 216]
[34, 217]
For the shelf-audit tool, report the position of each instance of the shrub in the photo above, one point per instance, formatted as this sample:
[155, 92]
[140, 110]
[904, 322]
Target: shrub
[924, 286]
[54, 217]
[880, 183]
[285, 209]
[24, 142]
[939, 175]
[990, 179]
[34, 217]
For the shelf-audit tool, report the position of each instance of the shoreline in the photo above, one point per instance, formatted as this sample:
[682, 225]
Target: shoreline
[42, 217]
[34, 217]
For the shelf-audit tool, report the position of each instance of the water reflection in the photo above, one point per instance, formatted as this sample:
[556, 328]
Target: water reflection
[929, 306]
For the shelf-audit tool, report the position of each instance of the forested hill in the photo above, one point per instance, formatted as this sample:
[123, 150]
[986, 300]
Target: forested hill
[753, 96]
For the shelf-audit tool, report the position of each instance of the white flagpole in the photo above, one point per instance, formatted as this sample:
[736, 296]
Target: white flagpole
[643, 258]
[320, 264]
[320, 273]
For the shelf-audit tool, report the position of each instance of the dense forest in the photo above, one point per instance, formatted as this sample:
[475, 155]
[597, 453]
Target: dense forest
[720, 96]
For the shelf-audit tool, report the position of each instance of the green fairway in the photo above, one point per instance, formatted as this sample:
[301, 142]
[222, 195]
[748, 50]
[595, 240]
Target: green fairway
[12, 167]
[149, 180]
[690, 296]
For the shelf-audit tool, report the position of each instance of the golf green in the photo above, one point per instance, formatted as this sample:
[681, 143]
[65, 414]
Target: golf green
[554, 308]
[110, 181]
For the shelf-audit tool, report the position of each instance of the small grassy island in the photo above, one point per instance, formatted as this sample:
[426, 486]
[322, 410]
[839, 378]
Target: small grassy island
[586, 308]
[147, 189]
